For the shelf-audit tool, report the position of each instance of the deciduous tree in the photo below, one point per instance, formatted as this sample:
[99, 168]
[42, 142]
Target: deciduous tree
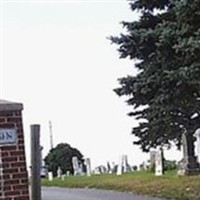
[61, 156]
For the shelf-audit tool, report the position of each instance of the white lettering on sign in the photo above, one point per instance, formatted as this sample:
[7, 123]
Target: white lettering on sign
[8, 136]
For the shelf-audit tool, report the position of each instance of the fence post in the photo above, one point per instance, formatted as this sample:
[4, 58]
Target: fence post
[35, 163]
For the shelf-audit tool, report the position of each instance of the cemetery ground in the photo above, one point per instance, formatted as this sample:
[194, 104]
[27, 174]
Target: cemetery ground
[168, 186]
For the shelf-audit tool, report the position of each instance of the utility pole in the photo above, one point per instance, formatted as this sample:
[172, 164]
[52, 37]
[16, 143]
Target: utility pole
[35, 163]
[51, 135]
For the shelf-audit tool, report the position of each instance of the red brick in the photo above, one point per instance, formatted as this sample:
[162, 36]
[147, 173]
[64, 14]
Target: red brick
[7, 188]
[6, 176]
[20, 136]
[11, 182]
[24, 181]
[4, 154]
[17, 113]
[21, 147]
[9, 159]
[5, 165]
[14, 119]
[19, 175]
[6, 113]
[22, 169]
[17, 153]
[20, 141]
[19, 125]
[8, 148]
[10, 171]
[21, 158]
[12, 193]
[20, 187]
[7, 125]
[19, 128]
[2, 120]
[7, 198]
[18, 164]
[22, 198]
[25, 191]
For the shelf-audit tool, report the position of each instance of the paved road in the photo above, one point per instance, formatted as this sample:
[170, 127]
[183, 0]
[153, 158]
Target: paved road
[53, 193]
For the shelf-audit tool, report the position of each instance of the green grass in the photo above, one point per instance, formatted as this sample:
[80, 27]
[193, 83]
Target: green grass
[169, 186]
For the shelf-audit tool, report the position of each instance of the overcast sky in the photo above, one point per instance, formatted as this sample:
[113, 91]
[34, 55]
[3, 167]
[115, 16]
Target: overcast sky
[57, 61]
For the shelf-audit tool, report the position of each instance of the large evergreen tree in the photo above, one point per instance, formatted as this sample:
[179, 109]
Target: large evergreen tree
[165, 93]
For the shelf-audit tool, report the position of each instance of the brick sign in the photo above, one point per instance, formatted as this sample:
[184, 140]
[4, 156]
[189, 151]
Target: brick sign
[13, 170]
[8, 137]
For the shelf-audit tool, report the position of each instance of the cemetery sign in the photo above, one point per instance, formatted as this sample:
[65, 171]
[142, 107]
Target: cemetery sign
[8, 137]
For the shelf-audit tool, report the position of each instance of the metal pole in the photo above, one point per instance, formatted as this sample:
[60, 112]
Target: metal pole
[51, 135]
[35, 163]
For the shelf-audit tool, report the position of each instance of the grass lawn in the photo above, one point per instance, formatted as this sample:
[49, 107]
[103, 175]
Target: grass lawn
[169, 186]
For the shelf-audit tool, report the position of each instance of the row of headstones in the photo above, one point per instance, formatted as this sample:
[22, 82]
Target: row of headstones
[156, 157]
[119, 169]
[78, 168]
[122, 167]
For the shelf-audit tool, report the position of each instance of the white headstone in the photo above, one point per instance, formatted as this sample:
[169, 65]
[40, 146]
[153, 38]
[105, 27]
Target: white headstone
[159, 163]
[50, 176]
[145, 165]
[63, 177]
[75, 165]
[88, 166]
[119, 167]
[197, 135]
[126, 167]
[59, 172]
[68, 173]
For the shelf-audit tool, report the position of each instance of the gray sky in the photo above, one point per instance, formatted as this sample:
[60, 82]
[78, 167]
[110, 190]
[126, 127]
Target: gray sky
[56, 60]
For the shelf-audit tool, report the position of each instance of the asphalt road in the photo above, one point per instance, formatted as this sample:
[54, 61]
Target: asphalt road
[53, 193]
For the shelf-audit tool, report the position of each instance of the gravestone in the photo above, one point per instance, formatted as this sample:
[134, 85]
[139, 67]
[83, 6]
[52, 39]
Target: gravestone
[125, 165]
[189, 163]
[50, 176]
[197, 135]
[184, 162]
[68, 173]
[159, 163]
[152, 159]
[75, 166]
[88, 166]
[63, 177]
[13, 172]
[81, 169]
[109, 170]
[119, 167]
[59, 172]
[113, 167]
[182, 165]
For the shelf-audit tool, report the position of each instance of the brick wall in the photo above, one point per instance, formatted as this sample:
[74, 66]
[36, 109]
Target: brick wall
[13, 172]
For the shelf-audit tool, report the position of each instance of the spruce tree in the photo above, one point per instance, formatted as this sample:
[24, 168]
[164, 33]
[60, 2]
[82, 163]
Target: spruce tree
[164, 44]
